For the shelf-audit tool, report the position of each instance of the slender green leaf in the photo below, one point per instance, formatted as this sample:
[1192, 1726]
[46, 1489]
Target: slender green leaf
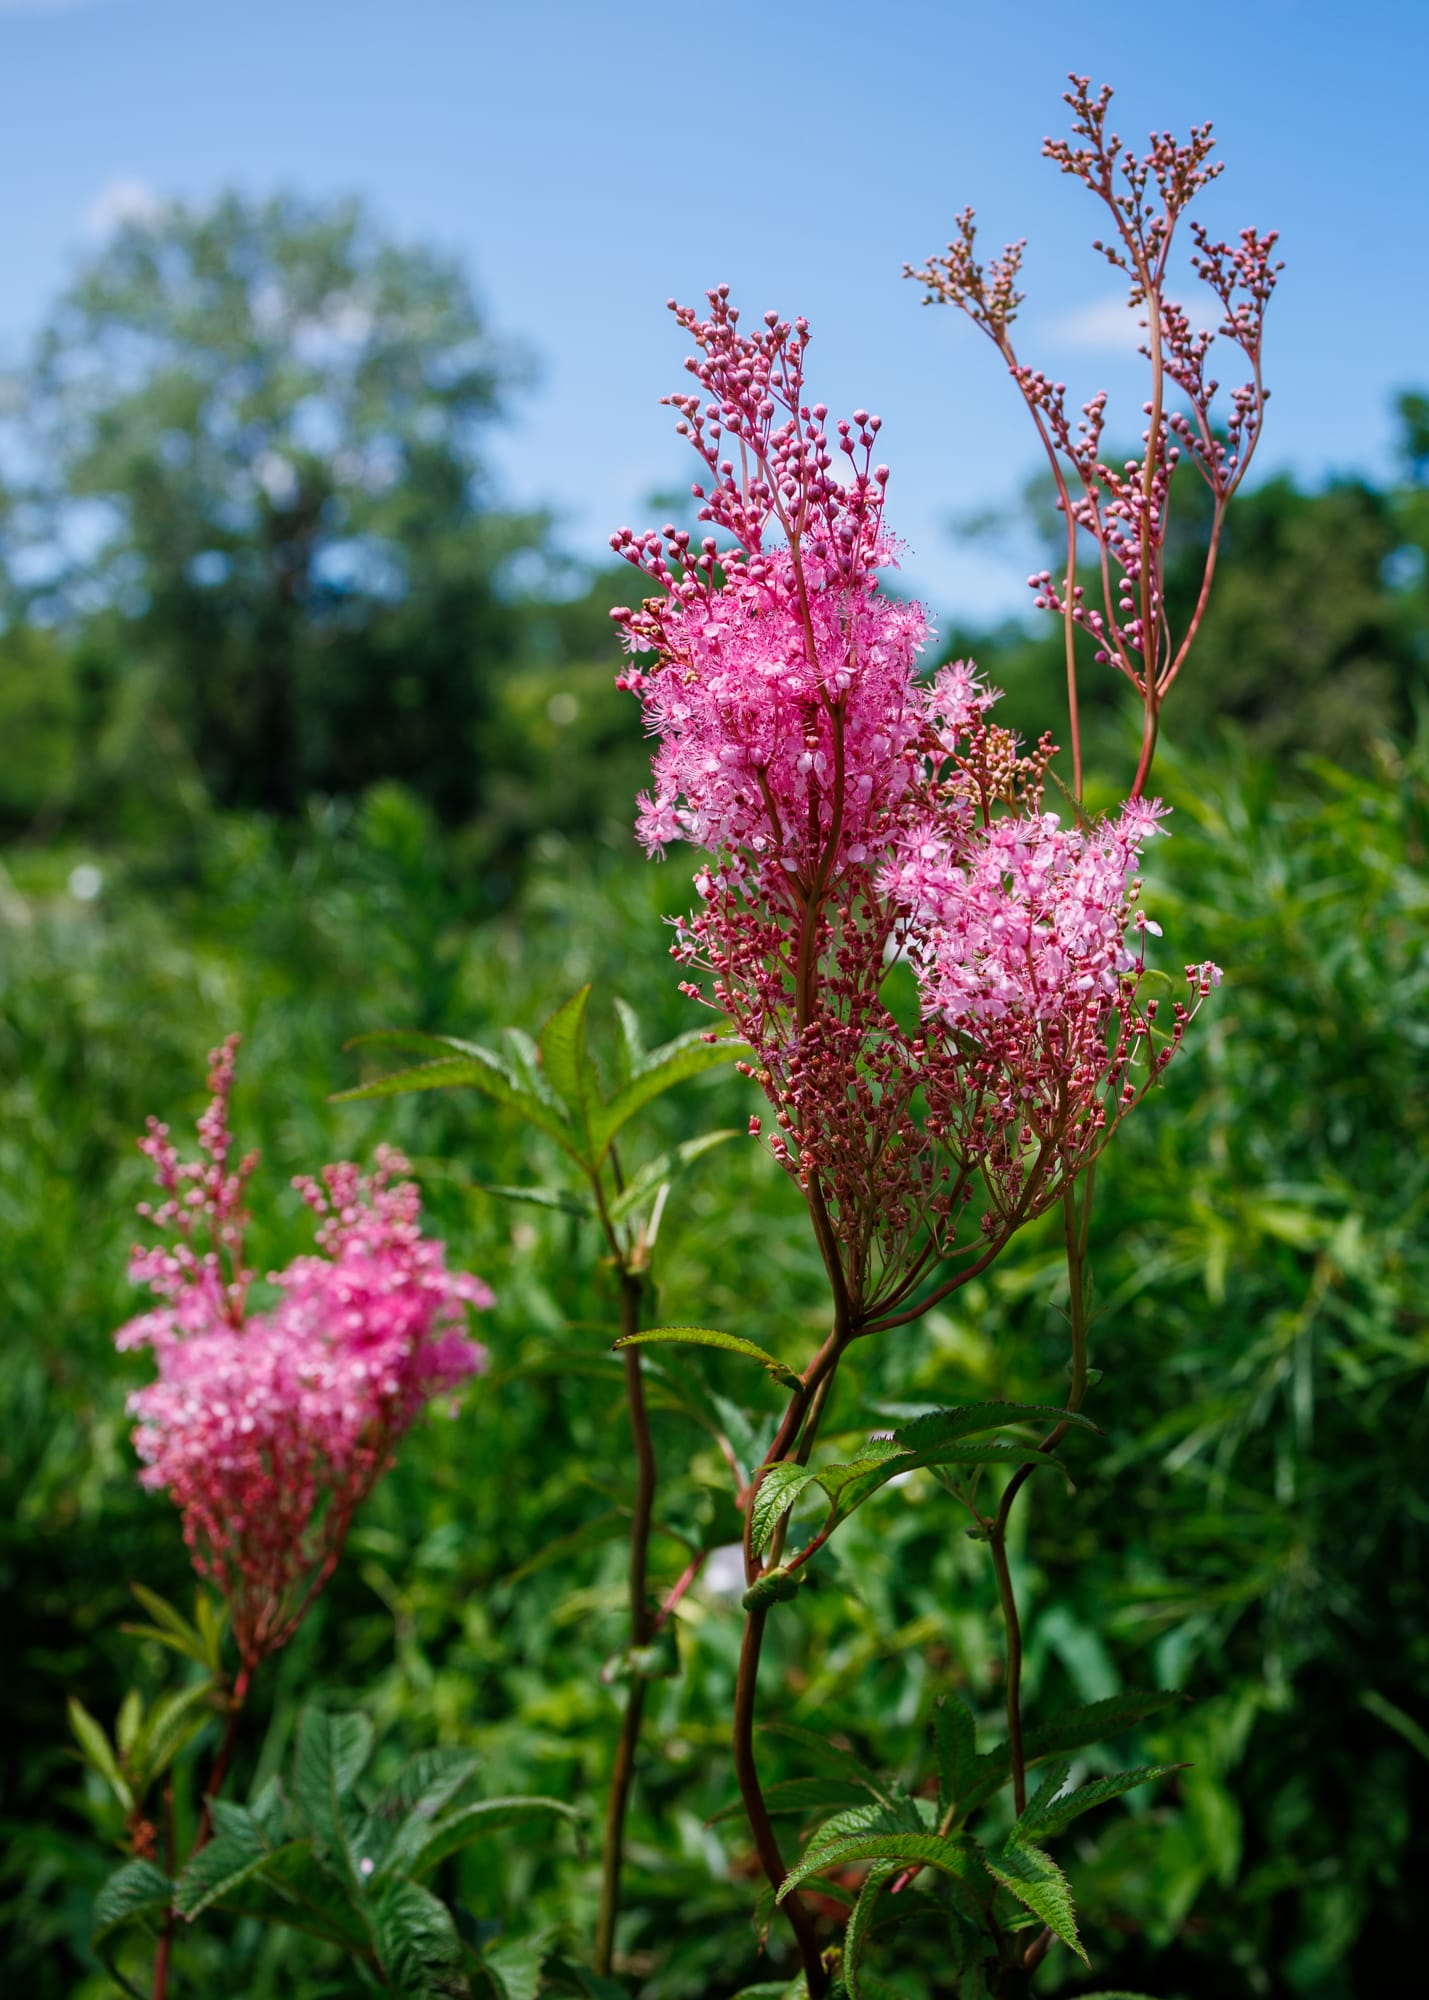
[1048, 1815]
[856, 1936]
[630, 1055]
[464, 1064]
[1073, 1729]
[459, 1829]
[905, 1850]
[1040, 1886]
[98, 1751]
[688, 1055]
[945, 1426]
[955, 1740]
[708, 1336]
[563, 1200]
[129, 1722]
[849, 1485]
[658, 1173]
[212, 1621]
[171, 1725]
[1053, 1779]
[779, 1487]
[569, 1069]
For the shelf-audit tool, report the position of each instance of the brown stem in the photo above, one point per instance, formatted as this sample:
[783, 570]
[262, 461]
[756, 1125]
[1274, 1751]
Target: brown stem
[166, 1934]
[1007, 1597]
[225, 1754]
[1076, 1228]
[765, 1840]
[641, 1629]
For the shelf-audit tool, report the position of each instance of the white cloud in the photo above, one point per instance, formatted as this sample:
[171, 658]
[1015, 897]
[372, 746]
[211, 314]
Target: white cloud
[1109, 326]
[122, 200]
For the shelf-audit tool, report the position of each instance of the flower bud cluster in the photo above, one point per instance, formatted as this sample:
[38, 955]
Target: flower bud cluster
[267, 1428]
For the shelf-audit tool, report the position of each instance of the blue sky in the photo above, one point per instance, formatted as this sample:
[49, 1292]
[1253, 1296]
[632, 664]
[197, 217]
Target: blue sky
[587, 161]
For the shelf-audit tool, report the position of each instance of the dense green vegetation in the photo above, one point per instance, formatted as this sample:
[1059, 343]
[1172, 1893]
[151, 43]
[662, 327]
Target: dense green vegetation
[1251, 1529]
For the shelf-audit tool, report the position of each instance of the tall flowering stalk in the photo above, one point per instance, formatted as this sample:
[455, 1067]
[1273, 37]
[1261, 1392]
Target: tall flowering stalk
[854, 812]
[268, 1428]
[1124, 507]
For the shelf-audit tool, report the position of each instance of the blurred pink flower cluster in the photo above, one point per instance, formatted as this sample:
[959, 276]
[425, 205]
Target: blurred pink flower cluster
[857, 814]
[268, 1428]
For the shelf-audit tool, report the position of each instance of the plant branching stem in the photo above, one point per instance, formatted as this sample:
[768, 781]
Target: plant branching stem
[1076, 1224]
[765, 1840]
[612, 1857]
[221, 1762]
[796, 1433]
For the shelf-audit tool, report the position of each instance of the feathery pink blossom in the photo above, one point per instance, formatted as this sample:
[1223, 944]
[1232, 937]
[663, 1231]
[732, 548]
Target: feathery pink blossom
[854, 813]
[268, 1428]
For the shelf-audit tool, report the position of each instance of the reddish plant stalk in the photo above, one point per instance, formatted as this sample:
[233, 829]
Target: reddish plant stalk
[641, 1629]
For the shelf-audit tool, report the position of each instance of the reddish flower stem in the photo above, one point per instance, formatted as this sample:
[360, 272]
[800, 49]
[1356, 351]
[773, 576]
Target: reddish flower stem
[641, 1629]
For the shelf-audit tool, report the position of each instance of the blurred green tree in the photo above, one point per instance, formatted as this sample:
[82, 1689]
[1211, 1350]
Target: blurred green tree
[249, 468]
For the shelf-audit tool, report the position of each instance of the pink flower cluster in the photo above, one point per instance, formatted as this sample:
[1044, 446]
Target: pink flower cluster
[857, 814]
[268, 1428]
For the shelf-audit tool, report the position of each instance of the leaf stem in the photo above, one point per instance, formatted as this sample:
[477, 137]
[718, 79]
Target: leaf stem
[632, 1292]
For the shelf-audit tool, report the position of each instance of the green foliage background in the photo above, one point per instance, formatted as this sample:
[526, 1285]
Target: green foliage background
[1252, 1529]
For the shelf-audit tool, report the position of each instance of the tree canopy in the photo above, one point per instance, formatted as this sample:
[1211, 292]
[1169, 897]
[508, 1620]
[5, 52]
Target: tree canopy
[250, 468]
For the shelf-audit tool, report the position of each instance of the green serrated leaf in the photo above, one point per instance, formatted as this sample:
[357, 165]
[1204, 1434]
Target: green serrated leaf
[484, 1816]
[295, 1890]
[516, 1965]
[417, 1944]
[1034, 1878]
[630, 1053]
[849, 1485]
[465, 1065]
[563, 1200]
[98, 1751]
[968, 1420]
[405, 1812]
[1072, 1729]
[779, 1487]
[568, 1066]
[708, 1336]
[658, 1173]
[237, 1850]
[1053, 1779]
[332, 1751]
[955, 1741]
[674, 1062]
[905, 1850]
[856, 1936]
[137, 1893]
[1046, 1815]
